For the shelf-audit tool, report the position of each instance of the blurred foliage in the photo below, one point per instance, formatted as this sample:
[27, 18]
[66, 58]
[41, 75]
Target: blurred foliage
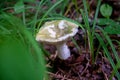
[18, 48]
[111, 26]
[10, 3]
[106, 10]
[19, 7]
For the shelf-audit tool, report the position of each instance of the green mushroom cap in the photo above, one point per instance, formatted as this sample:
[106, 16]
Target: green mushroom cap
[56, 31]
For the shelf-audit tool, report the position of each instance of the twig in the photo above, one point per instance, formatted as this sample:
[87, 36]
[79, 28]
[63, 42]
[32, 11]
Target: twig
[85, 68]
[58, 76]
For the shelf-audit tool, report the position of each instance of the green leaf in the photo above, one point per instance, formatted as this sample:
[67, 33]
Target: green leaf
[106, 10]
[107, 53]
[28, 0]
[104, 21]
[112, 29]
[19, 7]
[111, 26]
[20, 56]
[16, 63]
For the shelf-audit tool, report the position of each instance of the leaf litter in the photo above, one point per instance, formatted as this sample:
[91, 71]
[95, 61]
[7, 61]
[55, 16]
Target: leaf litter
[78, 66]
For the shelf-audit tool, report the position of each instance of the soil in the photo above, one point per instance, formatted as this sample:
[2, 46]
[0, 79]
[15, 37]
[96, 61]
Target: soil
[78, 66]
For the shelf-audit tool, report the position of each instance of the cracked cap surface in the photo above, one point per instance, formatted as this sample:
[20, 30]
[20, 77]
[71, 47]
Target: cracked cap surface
[56, 31]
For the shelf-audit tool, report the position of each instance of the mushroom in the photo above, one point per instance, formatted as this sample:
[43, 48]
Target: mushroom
[57, 33]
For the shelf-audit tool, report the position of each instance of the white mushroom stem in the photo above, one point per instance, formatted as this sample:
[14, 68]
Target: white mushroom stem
[63, 51]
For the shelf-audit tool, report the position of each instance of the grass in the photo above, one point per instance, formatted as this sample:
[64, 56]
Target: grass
[21, 57]
[107, 54]
[20, 53]
[91, 34]
[17, 60]
[56, 4]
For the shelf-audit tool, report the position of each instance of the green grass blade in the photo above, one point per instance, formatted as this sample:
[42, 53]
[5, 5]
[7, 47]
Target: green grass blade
[108, 55]
[95, 18]
[90, 38]
[64, 18]
[56, 4]
[18, 54]
[36, 14]
[73, 40]
[111, 45]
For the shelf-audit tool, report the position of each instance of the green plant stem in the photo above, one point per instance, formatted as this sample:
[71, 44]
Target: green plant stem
[57, 3]
[90, 39]
[36, 14]
[95, 18]
[76, 6]
[77, 46]
[96, 54]
[108, 53]
[90, 32]
[24, 21]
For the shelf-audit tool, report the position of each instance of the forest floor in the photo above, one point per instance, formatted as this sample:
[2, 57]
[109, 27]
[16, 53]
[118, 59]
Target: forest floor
[79, 66]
